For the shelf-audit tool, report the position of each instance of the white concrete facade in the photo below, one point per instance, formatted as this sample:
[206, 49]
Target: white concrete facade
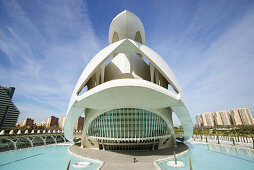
[128, 103]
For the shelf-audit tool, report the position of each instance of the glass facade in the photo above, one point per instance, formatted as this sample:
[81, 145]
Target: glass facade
[128, 123]
[129, 147]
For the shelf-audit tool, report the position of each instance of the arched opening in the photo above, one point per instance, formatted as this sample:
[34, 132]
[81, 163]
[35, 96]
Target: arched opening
[138, 37]
[6, 145]
[49, 140]
[83, 90]
[170, 88]
[23, 143]
[59, 139]
[37, 141]
[115, 37]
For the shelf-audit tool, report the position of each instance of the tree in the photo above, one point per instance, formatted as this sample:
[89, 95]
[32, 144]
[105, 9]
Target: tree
[214, 131]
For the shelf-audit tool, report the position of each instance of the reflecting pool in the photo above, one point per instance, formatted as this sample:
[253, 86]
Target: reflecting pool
[54, 157]
[215, 157]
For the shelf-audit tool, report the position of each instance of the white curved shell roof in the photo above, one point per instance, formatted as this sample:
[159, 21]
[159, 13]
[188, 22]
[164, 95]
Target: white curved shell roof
[126, 25]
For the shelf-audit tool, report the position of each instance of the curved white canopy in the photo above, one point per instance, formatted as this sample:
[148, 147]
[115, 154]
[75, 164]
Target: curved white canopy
[122, 46]
[125, 46]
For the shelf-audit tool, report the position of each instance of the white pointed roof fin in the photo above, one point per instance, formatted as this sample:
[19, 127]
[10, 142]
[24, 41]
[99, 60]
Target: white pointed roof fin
[126, 25]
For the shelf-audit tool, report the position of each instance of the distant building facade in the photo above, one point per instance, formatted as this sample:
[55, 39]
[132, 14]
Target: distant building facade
[9, 113]
[208, 119]
[62, 121]
[218, 119]
[226, 118]
[40, 124]
[28, 122]
[51, 121]
[80, 123]
[204, 120]
[246, 116]
[236, 117]
[199, 120]
[242, 116]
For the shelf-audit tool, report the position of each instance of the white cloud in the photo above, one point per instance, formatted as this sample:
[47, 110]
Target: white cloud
[221, 79]
[211, 54]
[45, 70]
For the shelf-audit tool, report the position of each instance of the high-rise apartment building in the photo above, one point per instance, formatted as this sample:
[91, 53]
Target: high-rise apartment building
[204, 120]
[242, 116]
[226, 118]
[62, 121]
[218, 119]
[246, 116]
[208, 119]
[250, 116]
[199, 120]
[236, 118]
[80, 123]
[9, 113]
[28, 122]
[51, 121]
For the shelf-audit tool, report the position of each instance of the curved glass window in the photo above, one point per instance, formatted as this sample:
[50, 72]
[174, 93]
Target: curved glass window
[128, 123]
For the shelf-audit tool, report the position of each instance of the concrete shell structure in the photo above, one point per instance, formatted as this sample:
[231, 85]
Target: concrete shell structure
[127, 101]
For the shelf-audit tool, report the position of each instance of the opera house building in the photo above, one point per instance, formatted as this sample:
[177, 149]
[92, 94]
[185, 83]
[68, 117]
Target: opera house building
[128, 94]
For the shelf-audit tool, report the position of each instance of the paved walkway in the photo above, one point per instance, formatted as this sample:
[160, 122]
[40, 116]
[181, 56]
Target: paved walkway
[124, 159]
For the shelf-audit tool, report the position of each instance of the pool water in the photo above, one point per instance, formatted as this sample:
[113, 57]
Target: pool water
[214, 157]
[55, 157]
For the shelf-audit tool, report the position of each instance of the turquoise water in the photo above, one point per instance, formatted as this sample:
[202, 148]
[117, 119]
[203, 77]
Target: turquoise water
[215, 157]
[55, 157]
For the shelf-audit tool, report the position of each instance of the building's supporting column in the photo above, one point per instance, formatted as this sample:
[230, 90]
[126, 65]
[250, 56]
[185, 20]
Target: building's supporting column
[82, 143]
[54, 139]
[97, 77]
[14, 144]
[44, 141]
[157, 76]
[152, 72]
[102, 72]
[89, 84]
[93, 78]
[63, 138]
[31, 142]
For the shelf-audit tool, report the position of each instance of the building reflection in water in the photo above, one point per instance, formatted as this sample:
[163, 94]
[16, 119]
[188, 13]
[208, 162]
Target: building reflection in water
[230, 150]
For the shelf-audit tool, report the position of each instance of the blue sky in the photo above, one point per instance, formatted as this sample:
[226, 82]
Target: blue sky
[45, 45]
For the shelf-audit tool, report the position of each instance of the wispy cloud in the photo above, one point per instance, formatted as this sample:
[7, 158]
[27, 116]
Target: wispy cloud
[210, 49]
[46, 53]
[223, 75]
